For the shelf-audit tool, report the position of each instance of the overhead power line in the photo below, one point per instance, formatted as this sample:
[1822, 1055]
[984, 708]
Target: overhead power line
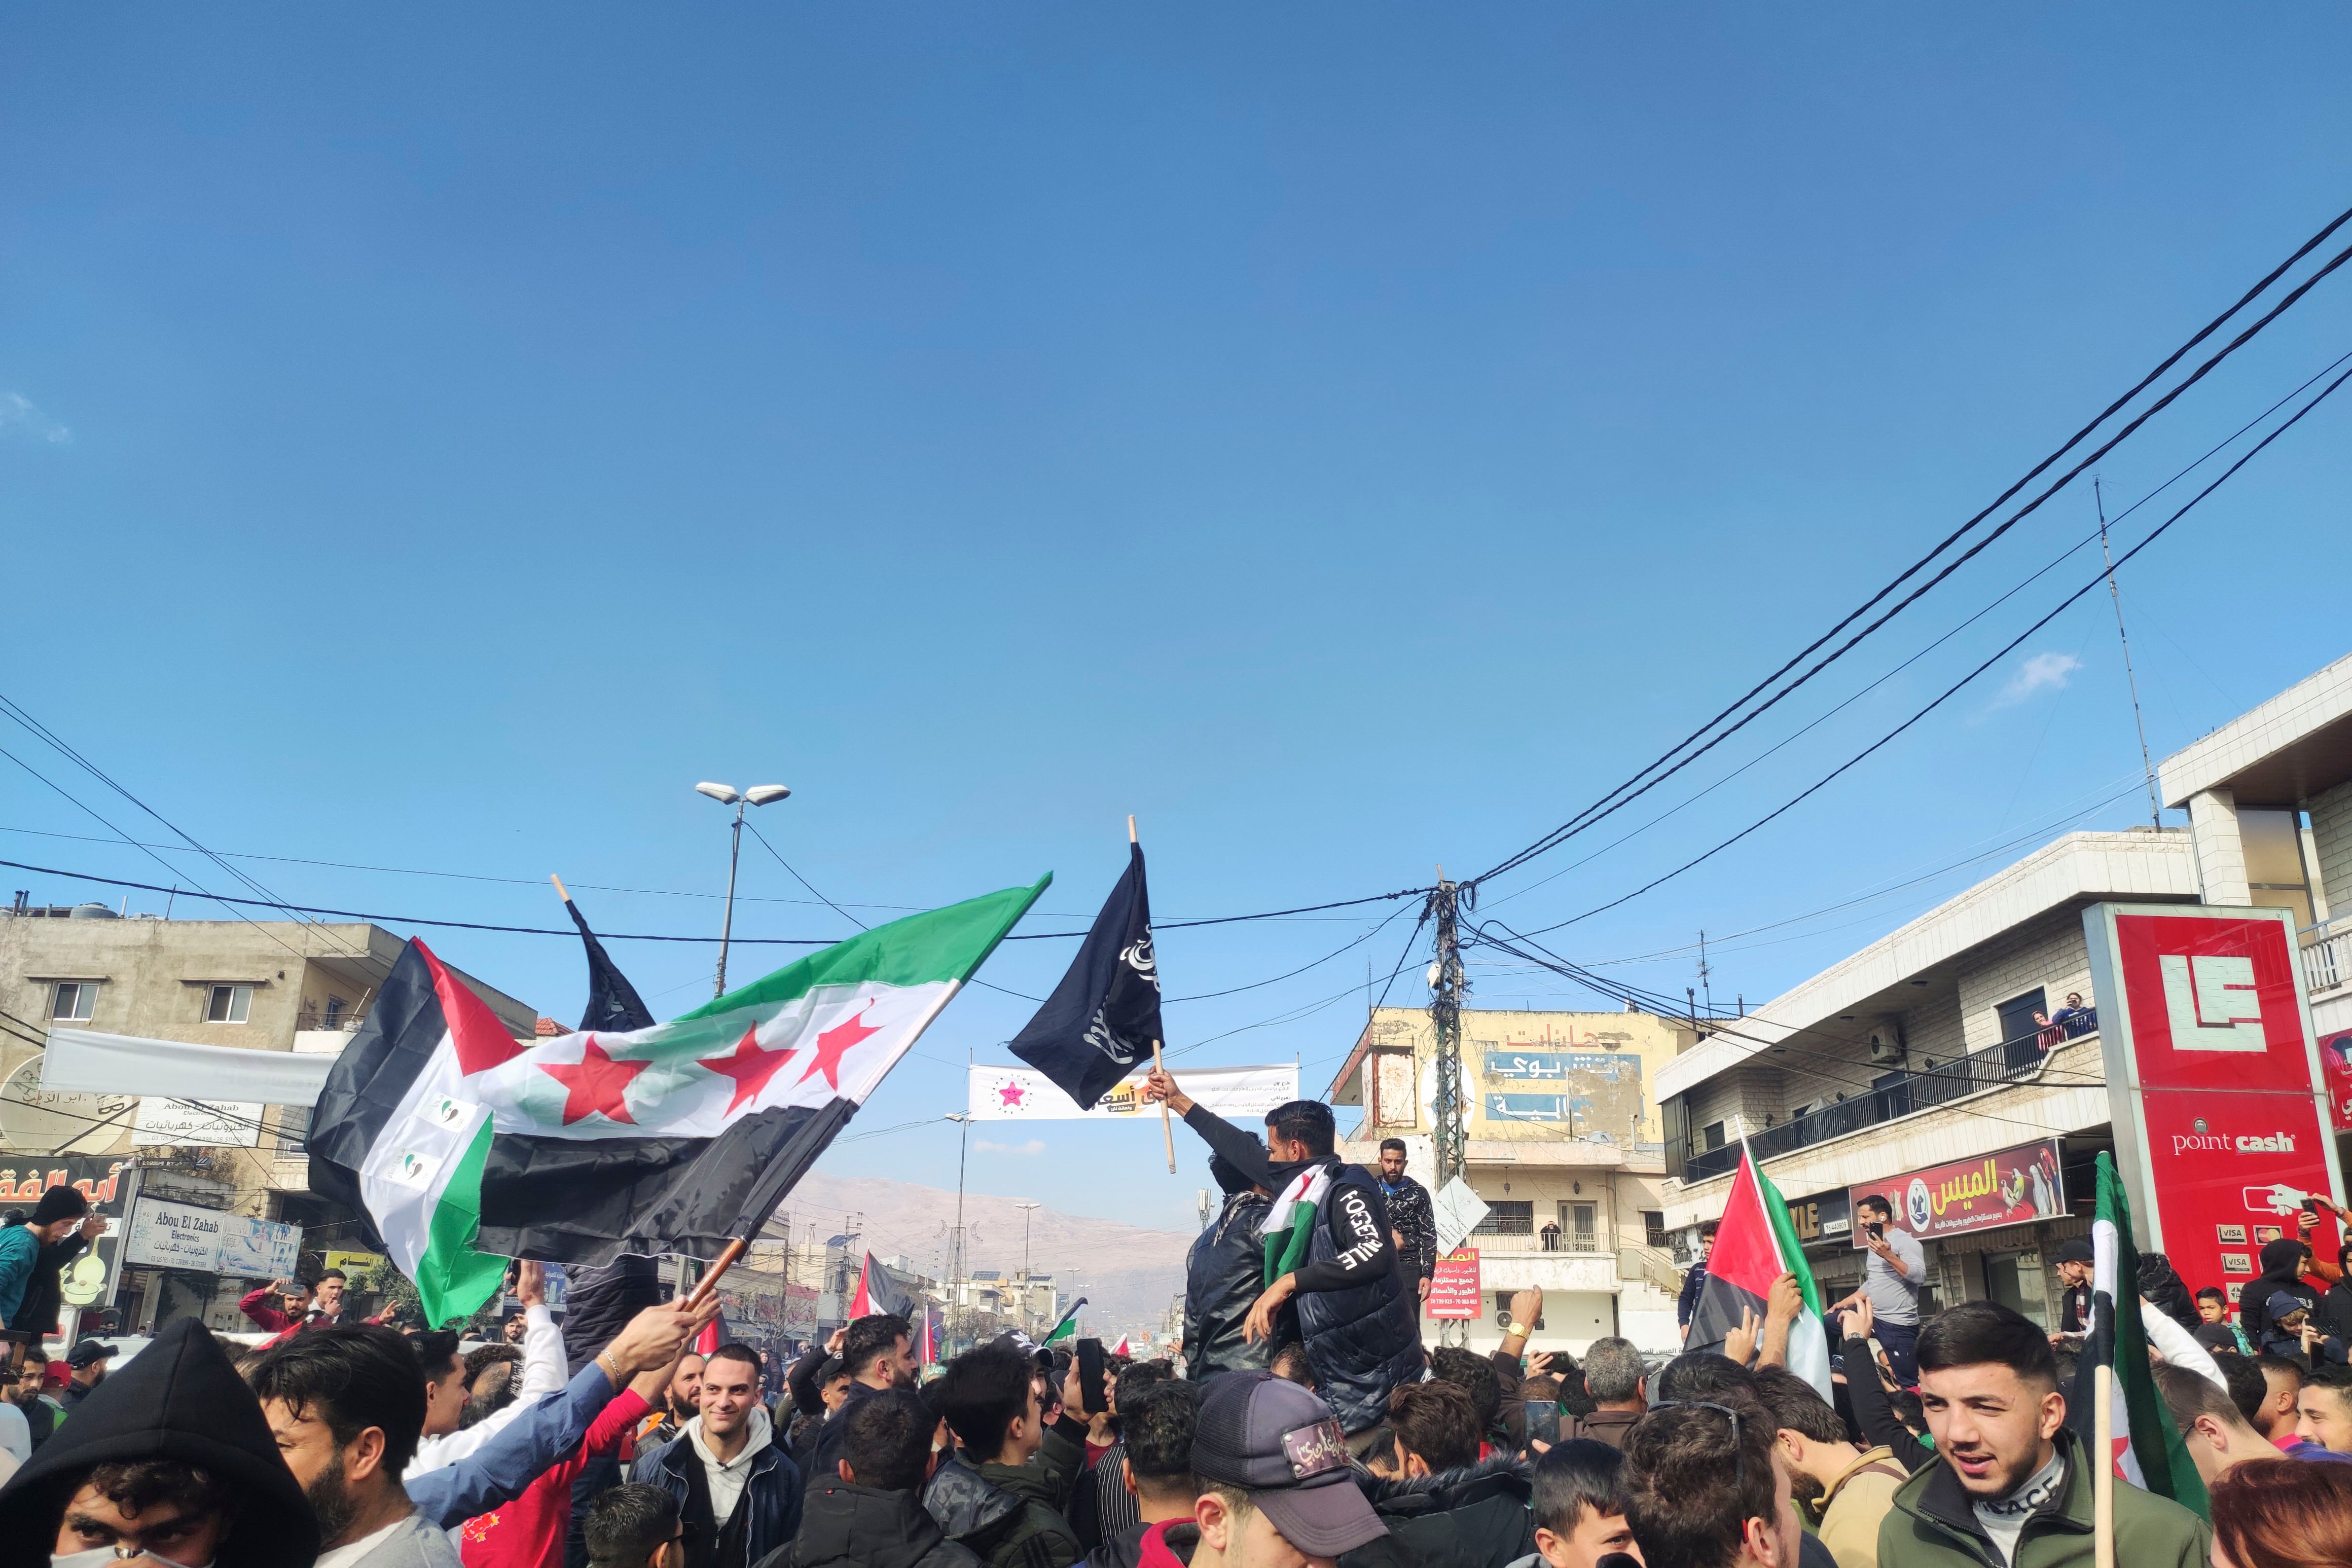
[1952, 690]
[1666, 764]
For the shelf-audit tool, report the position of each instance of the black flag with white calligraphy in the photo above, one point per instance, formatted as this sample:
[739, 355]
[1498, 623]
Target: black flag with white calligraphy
[1103, 1019]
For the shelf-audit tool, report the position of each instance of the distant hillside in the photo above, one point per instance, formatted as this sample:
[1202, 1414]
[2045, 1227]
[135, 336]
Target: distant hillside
[1128, 1274]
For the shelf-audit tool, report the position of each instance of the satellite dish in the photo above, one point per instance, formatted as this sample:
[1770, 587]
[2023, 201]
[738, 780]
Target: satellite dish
[38, 1120]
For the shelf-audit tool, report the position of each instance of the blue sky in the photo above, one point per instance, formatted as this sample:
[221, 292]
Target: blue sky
[1350, 439]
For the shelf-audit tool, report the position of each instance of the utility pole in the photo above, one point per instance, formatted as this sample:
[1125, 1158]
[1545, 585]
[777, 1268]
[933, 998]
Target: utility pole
[1447, 987]
[1704, 976]
[1028, 1292]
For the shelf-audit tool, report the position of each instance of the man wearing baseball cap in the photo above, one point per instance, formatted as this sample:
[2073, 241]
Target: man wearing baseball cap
[88, 1361]
[1275, 1483]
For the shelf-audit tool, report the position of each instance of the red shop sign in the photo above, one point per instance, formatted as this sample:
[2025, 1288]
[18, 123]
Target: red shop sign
[2219, 1097]
[2016, 1186]
[1453, 1285]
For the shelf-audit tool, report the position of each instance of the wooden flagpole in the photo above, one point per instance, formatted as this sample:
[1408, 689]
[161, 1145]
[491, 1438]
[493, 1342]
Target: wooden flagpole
[1167, 1127]
[2103, 1495]
[559, 890]
[709, 1281]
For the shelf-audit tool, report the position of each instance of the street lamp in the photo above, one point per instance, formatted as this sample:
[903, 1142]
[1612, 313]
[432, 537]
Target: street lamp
[1028, 1289]
[955, 1283]
[727, 795]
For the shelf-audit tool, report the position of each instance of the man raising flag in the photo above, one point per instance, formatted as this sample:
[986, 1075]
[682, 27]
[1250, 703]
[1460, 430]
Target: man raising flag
[1755, 1245]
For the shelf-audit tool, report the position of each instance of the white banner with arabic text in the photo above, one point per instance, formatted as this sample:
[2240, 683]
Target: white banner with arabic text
[1239, 1094]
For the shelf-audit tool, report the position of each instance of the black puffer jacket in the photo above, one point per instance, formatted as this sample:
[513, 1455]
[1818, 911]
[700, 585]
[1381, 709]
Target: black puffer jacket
[599, 1301]
[1364, 1340]
[1224, 1274]
[848, 1524]
[179, 1399]
[1472, 1518]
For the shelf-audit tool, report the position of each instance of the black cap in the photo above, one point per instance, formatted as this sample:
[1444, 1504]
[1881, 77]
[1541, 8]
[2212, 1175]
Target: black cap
[1281, 1445]
[87, 1352]
[2076, 1250]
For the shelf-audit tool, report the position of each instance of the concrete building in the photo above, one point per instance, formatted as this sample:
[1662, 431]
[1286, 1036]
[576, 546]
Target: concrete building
[251, 984]
[1945, 1041]
[1565, 1148]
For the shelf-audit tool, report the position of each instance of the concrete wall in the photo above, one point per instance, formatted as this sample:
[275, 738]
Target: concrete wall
[1608, 1062]
[2048, 951]
[2331, 840]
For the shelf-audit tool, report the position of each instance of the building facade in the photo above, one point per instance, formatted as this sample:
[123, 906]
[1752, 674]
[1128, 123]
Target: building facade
[1963, 1049]
[248, 985]
[1565, 1149]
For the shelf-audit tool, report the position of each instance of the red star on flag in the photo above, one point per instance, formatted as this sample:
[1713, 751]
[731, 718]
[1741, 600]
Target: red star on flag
[748, 1066]
[596, 1084]
[834, 1042]
[1008, 1094]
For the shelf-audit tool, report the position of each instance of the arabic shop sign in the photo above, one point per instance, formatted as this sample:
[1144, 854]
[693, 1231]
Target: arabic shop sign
[2013, 1187]
[1559, 1064]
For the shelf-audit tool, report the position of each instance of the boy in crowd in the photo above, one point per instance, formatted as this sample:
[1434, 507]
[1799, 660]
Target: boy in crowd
[2282, 1400]
[634, 1526]
[2324, 1409]
[1010, 1491]
[1275, 1484]
[2214, 1330]
[1156, 1421]
[1580, 1506]
[2213, 1428]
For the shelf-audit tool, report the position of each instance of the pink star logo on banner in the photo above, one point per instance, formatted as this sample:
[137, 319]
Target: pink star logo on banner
[1008, 1094]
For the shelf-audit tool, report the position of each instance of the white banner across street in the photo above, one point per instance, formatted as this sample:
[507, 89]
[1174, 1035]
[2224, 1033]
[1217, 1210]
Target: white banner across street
[1239, 1094]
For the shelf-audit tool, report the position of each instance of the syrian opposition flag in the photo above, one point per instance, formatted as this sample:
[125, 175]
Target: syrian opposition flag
[1289, 1224]
[2148, 1451]
[1755, 1244]
[1103, 1016]
[466, 1146]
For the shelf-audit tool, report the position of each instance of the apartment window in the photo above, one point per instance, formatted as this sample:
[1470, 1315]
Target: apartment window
[335, 1005]
[293, 1128]
[73, 1001]
[1581, 1227]
[1508, 1219]
[229, 1004]
[1711, 1135]
[1653, 1228]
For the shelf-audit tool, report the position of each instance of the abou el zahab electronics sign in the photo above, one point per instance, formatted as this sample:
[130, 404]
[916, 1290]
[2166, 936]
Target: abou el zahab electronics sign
[2220, 1101]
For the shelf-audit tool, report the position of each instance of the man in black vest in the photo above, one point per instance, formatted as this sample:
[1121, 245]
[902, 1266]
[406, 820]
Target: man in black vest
[1358, 1313]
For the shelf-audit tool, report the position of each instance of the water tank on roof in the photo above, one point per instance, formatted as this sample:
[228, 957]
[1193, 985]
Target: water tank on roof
[92, 911]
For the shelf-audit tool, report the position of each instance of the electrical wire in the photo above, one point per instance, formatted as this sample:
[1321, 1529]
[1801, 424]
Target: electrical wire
[1608, 803]
[1952, 690]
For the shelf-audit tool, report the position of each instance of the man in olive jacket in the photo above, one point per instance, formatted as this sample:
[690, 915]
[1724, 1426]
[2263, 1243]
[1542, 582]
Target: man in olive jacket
[2009, 1487]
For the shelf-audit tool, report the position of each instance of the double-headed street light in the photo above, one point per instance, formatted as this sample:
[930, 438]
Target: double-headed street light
[727, 795]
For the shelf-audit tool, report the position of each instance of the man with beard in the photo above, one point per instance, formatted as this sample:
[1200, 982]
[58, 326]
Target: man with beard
[678, 1404]
[88, 1359]
[2009, 1486]
[877, 1352]
[1411, 1217]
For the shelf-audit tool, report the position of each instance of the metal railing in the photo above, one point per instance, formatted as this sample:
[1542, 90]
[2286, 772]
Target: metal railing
[2327, 955]
[2013, 1061]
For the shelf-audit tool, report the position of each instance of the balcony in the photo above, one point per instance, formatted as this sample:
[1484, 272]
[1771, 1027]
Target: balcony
[2327, 955]
[2018, 1060]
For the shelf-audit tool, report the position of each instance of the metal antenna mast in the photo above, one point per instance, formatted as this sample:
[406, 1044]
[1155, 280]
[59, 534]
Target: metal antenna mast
[1448, 985]
[2155, 805]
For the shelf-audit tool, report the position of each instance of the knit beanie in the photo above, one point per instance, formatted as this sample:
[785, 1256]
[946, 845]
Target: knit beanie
[59, 1202]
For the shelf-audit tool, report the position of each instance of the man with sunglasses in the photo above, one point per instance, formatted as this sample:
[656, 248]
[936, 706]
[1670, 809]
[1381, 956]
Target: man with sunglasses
[1706, 1488]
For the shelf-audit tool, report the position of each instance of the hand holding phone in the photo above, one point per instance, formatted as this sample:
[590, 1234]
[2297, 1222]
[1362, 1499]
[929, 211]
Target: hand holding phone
[1092, 1397]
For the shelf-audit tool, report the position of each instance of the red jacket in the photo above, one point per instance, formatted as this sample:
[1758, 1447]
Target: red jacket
[271, 1321]
[529, 1532]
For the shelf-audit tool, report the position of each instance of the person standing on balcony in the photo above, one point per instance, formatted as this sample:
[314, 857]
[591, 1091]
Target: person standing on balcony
[1891, 1282]
[2075, 1020]
[1411, 1217]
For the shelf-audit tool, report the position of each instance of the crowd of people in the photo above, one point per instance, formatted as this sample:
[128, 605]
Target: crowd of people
[1308, 1424]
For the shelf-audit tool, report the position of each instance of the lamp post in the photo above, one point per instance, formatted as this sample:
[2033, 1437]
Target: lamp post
[727, 795]
[1028, 1291]
[955, 1267]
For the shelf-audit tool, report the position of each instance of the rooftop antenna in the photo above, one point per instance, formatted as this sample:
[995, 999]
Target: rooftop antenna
[1706, 990]
[2155, 804]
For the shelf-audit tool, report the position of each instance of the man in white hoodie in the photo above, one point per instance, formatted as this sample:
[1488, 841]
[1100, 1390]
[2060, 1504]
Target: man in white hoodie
[737, 1492]
[545, 1372]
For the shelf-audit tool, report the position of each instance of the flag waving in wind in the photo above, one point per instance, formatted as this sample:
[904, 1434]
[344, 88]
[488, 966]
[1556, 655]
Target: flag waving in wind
[2149, 1451]
[613, 1003]
[466, 1146]
[1104, 1016]
[1755, 1245]
[879, 1291]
